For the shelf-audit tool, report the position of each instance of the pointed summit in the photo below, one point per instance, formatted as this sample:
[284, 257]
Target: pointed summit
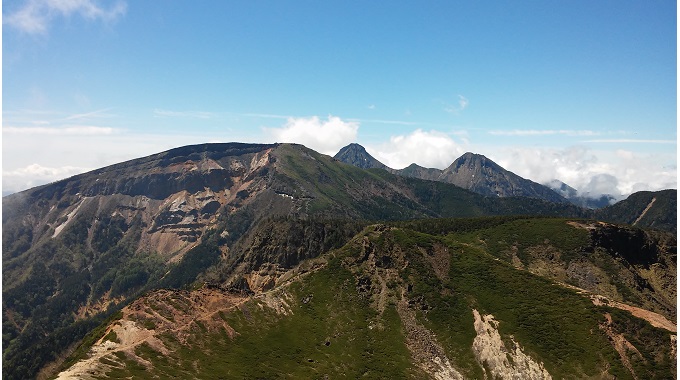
[481, 175]
[355, 154]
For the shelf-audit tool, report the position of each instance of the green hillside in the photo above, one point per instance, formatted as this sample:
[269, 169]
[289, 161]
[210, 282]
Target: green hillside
[398, 303]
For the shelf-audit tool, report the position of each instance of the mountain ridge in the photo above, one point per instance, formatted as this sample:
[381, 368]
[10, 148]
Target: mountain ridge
[470, 171]
[236, 215]
[416, 304]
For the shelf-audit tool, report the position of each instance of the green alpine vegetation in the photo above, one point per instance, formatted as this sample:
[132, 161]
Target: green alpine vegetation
[404, 301]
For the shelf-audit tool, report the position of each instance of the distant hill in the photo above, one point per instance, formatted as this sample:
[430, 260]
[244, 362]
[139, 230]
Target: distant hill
[481, 175]
[573, 196]
[471, 171]
[653, 209]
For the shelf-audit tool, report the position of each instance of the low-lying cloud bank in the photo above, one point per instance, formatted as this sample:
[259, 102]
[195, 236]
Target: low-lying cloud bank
[619, 172]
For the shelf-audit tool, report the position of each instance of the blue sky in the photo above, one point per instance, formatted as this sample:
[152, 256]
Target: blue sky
[581, 91]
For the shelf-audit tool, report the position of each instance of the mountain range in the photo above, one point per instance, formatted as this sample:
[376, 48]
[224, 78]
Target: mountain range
[478, 173]
[271, 260]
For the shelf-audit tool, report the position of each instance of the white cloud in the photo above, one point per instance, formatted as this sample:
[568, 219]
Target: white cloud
[67, 154]
[432, 149]
[325, 136]
[35, 16]
[90, 115]
[35, 175]
[619, 173]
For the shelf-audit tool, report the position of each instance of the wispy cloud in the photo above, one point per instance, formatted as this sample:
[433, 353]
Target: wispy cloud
[631, 141]
[90, 115]
[81, 130]
[544, 132]
[462, 104]
[35, 16]
[190, 114]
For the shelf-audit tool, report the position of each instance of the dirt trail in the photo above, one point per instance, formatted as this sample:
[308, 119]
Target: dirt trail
[167, 311]
[656, 320]
[621, 345]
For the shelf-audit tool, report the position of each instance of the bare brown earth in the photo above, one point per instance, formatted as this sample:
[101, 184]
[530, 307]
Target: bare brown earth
[144, 320]
[621, 344]
[656, 320]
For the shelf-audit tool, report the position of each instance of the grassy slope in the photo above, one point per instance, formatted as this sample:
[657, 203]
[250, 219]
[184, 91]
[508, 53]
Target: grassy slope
[554, 325]
[327, 335]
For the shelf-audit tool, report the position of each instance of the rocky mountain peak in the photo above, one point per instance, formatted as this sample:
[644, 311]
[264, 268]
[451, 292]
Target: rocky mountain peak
[355, 154]
[472, 161]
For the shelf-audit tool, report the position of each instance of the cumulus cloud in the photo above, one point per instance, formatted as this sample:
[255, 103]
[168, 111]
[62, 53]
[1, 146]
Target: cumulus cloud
[325, 136]
[432, 149]
[35, 175]
[35, 16]
[618, 173]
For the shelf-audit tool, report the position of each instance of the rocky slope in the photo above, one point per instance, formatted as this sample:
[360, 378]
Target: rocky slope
[440, 299]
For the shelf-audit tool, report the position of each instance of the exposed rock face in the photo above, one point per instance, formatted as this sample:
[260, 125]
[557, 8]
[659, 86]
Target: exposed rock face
[425, 348]
[492, 352]
[160, 313]
[176, 194]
